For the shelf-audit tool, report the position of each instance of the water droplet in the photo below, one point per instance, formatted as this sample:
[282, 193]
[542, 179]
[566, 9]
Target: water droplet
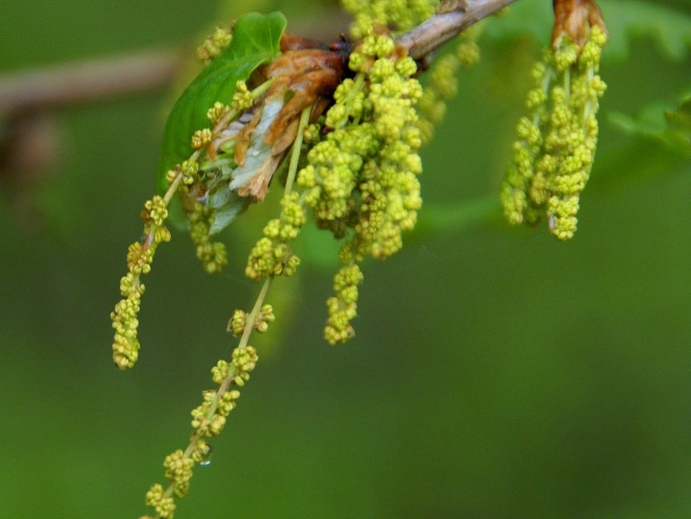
[206, 460]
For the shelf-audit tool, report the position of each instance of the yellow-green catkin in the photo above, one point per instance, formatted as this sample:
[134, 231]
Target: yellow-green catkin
[182, 178]
[556, 144]
[242, 97]
[238, 322]
[214, 45]
[213, 255]
[272, 255]
[396, 15]
[125, 316]
[361, 180]
[208, 420]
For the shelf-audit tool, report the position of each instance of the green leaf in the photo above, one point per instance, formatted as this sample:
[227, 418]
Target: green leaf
[256, 41]
[669, 28]
[680, 119]
[659, 122]
[635, 161]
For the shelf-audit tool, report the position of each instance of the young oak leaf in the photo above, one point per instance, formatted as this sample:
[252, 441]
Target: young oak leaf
[256, 41]
[662, 123]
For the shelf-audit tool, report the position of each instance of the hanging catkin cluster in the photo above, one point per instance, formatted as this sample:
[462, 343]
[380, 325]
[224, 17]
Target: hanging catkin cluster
[556, 143]
[347, 121]
[361, 180]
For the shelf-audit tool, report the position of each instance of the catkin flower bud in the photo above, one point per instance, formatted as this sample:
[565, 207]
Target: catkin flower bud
[556, 144]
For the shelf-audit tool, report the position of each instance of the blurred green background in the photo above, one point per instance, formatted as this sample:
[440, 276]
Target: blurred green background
[496, 373]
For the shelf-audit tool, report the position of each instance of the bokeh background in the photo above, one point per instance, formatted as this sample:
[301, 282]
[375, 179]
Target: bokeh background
[496, 373]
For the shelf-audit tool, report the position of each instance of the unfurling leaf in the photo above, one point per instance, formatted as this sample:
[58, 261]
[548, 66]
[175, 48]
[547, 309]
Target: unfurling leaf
[256, 41]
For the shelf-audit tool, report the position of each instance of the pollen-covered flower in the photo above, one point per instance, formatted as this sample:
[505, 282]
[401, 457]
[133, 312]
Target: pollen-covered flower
[271, 255]
[401, 14]
[556, 144]
[214, 45]
[140, 255]
[164, 505]
[361, 180]
[213, 255]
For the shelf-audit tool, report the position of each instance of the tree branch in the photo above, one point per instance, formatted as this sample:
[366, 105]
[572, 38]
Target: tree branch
[89, 80]
[99, 79]
[435, 32]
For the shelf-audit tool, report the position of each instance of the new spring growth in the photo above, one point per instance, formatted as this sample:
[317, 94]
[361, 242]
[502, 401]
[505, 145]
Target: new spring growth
[271, 255]
[401, 15]
[556, 144]
[361, 180]
[139, 257]
[209, 204]
[141, 254]
[208, 420]
[183, 178]
[238, 322]
[214, 45]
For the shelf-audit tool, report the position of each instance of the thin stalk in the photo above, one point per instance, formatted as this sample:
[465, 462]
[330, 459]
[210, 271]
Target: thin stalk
[224, 121]
[297, 147]
[223, 388]
[252, 318]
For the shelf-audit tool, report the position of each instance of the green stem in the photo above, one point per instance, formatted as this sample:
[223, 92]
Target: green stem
[252, 318]
[567, 85]
[249, 327]
[175, 184]
[297, 147]
[224, 121]
[589, 104]
[261, 89]
[546, 81]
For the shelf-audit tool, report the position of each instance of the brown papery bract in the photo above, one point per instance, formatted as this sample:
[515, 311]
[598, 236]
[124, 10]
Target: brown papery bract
[575, 18]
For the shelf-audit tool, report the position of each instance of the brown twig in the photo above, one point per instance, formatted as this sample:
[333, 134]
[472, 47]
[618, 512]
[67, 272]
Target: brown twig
[95, 80]
[29, 138]
[84, 81]
[435, 32]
